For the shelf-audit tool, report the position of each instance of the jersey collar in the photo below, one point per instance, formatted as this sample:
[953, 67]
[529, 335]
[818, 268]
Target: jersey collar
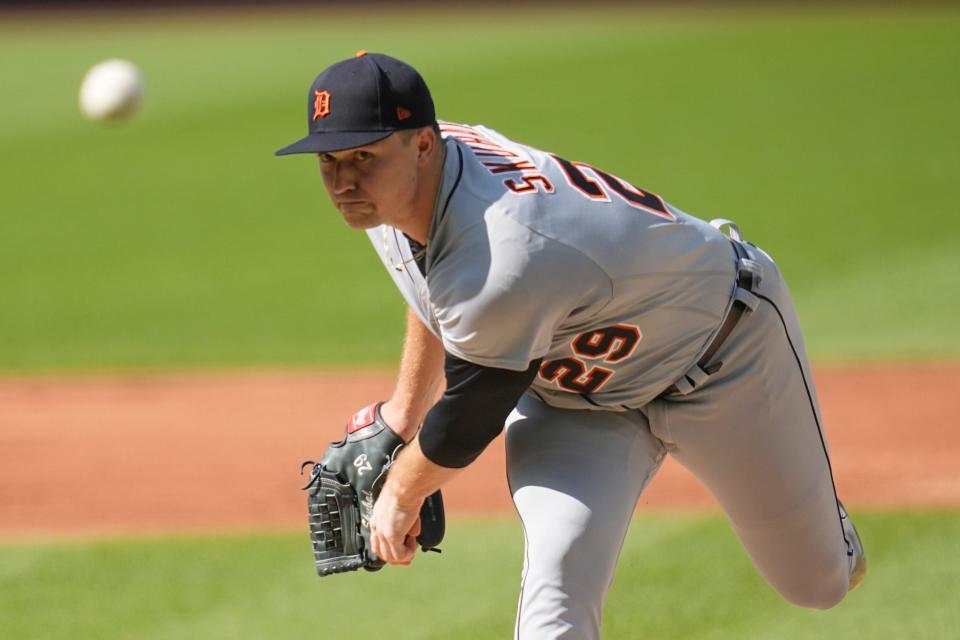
[449, 181]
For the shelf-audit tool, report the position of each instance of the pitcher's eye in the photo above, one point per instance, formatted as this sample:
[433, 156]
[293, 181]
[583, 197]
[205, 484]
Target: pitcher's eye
[361, 155]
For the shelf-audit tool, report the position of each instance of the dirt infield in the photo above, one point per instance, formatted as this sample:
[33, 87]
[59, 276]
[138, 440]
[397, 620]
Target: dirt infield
[103, 455]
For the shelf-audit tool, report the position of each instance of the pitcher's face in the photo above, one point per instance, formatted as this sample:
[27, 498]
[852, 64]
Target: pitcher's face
[374, 184]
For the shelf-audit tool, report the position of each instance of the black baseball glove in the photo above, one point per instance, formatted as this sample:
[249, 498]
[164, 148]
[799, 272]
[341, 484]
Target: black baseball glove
[342, 489]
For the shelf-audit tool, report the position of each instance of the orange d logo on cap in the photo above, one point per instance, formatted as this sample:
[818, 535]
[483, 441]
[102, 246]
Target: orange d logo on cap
[321, 104]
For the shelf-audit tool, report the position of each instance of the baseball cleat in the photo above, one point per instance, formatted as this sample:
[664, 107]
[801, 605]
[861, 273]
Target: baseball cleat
[858, 559]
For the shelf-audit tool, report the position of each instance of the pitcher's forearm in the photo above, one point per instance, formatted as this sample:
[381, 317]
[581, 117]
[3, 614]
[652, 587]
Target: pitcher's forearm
[413, 476]
[419, 380]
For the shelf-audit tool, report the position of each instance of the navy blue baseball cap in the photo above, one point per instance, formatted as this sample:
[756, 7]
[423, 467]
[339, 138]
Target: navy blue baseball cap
[360, 100]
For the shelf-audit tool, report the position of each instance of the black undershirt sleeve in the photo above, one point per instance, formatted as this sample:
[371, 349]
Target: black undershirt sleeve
[472, 410]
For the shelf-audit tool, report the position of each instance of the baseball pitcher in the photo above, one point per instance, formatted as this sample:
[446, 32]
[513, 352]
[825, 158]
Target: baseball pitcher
[604, 327]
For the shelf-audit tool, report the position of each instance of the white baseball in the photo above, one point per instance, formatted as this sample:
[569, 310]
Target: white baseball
[111, 90]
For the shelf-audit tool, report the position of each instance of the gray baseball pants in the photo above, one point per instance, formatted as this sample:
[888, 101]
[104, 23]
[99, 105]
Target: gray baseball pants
[751, 432]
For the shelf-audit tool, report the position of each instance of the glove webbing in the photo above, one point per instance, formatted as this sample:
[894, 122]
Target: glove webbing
[334, 520]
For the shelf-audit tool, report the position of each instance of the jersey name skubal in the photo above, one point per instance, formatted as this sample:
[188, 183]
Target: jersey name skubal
[526, 259]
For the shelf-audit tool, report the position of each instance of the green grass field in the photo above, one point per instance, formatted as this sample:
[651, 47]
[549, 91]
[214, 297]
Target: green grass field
[179, 241]
[679, 577]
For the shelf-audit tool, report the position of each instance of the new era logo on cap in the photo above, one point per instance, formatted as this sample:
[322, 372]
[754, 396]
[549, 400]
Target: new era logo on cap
[375, 95]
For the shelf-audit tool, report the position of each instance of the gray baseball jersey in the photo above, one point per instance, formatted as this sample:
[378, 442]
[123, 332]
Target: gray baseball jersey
[531, 255]
[526, 258]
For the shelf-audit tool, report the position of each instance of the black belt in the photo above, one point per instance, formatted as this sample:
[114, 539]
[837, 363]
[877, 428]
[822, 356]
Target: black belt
[747, 278]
